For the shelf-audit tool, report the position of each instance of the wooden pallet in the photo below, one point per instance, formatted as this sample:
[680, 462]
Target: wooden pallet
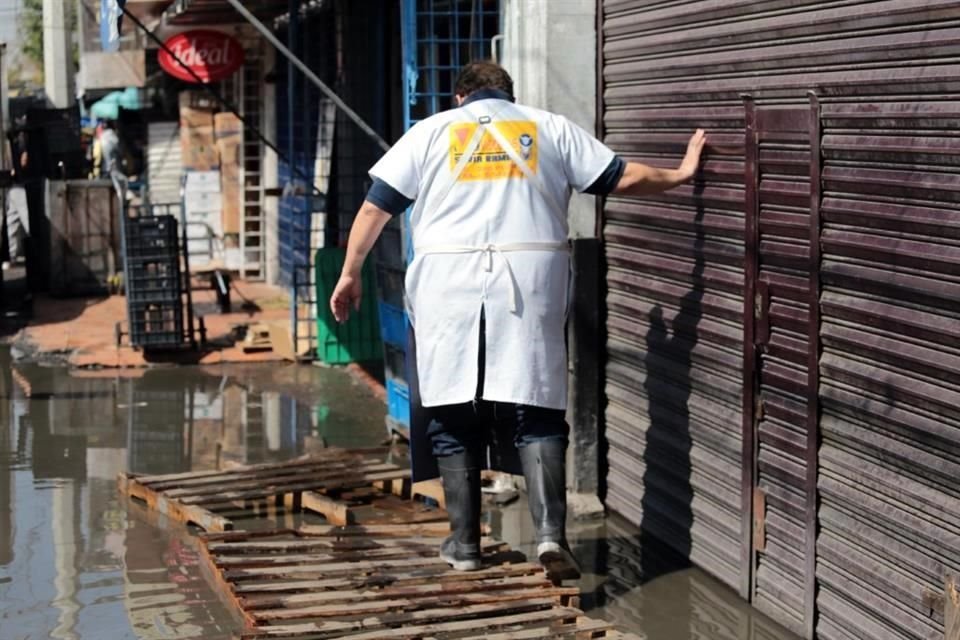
[337, 484]
[386, 582]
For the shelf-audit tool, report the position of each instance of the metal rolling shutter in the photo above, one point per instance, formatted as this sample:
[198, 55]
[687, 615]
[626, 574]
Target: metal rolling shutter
[675, 309]
[783, 172]
[669, 66]
[890, 370]
[164, 163]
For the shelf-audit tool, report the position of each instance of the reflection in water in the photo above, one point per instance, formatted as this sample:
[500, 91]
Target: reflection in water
[619, 585]
[79, 561]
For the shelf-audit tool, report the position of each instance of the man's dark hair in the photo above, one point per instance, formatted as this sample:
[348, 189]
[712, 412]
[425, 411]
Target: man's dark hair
[483, 75]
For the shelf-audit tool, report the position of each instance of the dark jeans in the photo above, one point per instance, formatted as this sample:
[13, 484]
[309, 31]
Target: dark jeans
[474, 425]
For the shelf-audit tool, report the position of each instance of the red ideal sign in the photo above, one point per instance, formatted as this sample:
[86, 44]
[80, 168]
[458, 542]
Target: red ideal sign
[210, 54]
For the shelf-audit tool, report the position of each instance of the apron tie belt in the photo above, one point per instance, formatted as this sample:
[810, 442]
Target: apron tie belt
[500, 250]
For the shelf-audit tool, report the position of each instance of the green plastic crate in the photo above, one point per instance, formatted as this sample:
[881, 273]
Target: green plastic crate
[358, 339]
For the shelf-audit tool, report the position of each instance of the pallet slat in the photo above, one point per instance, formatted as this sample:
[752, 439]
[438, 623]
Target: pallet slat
[389, 586]
[211, 500]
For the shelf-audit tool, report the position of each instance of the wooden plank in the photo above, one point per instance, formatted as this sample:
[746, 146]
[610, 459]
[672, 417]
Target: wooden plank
[342, 483]
[233, 471]
[442, 605]
[245, 475]
[196, 515]
[312, 544]
[430, 489]
[274, 601]
[335, 512]
[439, 529]
[438, 619]
[231, 562]
[436, 574]
[223, 588]
[337, 568]
[302, 475]
[330, 455]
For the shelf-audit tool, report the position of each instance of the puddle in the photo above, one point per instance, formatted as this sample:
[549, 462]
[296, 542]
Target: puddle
[76, 559]
[643, 592]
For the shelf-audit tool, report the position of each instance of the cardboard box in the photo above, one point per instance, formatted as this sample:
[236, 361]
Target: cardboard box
[197, 139]
[228, 131]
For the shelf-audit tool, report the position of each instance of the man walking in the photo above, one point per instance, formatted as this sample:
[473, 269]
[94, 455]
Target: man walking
[487, 290]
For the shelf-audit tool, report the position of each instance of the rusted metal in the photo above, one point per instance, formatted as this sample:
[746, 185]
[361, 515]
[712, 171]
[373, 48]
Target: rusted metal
[335, 484]
[951, 598]
[387, 582]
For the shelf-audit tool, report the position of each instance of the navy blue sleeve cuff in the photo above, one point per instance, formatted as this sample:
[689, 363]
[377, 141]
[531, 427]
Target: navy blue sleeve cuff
[387, 198]
[608, 180]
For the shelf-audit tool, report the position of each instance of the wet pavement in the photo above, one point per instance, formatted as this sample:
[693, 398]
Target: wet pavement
[78, 561]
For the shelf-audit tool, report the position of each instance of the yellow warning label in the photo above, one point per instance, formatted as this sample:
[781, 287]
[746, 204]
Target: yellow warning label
[489, 162]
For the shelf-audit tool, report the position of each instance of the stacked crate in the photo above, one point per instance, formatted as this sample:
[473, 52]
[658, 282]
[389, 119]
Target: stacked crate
[391, 259]
[153, 283]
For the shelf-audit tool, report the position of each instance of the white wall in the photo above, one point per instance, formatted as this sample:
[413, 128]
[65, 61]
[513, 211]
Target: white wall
[549, 48]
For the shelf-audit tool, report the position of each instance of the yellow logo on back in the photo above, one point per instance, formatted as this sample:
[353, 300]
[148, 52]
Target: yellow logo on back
[489, 162]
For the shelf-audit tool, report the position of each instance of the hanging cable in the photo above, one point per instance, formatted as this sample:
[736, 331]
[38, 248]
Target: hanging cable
[272, 39]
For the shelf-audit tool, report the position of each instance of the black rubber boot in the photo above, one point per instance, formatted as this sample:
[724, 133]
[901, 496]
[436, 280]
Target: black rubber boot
[544, 468]
[461, 488]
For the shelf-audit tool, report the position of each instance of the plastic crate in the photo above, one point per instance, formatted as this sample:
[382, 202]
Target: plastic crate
[398, 402]
[358, 339]
[393, 326]
[389, 247]
[153, 281]
[156, 325]
[390, 284]
[152, 235]
[394, 363]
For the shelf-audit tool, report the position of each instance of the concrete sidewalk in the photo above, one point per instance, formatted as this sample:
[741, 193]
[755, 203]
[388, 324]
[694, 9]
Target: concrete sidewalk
[81, 331]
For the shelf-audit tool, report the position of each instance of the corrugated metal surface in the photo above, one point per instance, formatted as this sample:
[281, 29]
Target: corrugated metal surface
[164, 163]
[888, 76]
[674, 315]
[779, 294]
[890, 369]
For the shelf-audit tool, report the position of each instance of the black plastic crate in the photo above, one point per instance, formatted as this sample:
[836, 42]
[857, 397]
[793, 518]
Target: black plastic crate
[152, 237]
[394, 363]
[153, 290]
[390, 282]
[388, 250]
[154, 281]
[154, 325]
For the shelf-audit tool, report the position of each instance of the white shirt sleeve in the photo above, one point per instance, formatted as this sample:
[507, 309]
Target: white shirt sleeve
[584, 157]
[401, 167]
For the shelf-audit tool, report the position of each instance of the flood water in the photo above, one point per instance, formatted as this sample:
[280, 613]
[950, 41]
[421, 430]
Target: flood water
[79, 561]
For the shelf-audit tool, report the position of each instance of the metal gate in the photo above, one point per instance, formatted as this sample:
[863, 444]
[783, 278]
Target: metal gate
[780, 355]
[890, 371]
[675, 265]
[846, 507]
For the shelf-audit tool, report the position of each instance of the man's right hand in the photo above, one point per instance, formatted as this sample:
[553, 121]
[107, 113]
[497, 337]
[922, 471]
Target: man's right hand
[346, 296]
[688, 167]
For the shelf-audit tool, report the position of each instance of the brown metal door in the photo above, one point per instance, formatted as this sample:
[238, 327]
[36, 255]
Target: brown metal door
[780, 356]
[889, 460]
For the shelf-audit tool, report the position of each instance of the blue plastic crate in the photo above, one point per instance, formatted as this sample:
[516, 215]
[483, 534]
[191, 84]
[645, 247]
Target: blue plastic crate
[393, 325]
[398, 402]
